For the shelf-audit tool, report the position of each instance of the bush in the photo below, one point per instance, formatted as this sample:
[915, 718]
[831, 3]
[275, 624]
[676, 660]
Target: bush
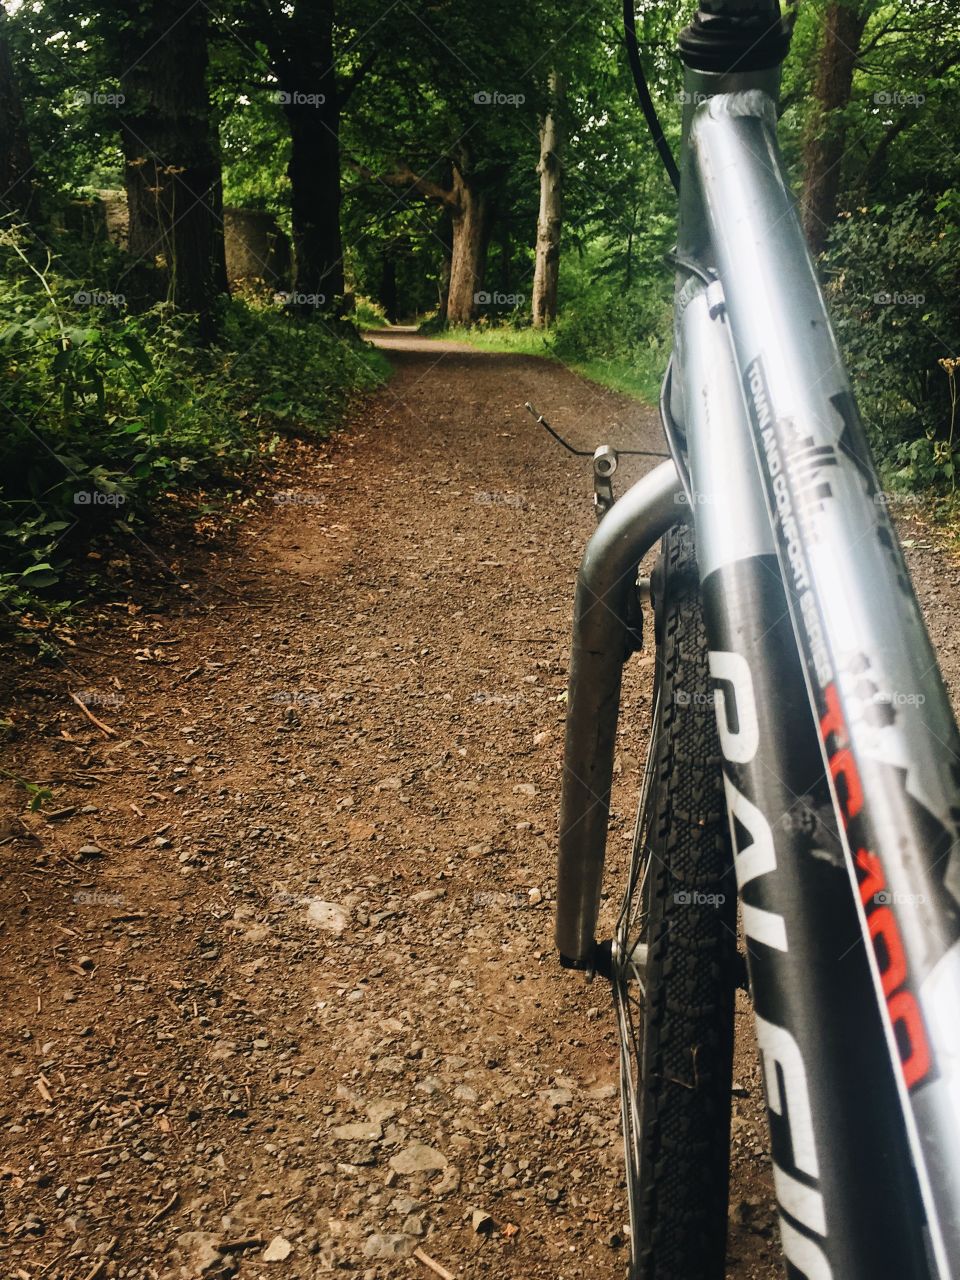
[891, 288]
[111, 415]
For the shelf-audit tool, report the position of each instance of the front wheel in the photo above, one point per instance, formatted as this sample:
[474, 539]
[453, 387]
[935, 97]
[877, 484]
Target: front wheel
[674, 961]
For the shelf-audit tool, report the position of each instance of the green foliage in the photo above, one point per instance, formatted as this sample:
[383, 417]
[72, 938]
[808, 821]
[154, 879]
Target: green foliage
[369, 314]
[892, 292]
[112, 416]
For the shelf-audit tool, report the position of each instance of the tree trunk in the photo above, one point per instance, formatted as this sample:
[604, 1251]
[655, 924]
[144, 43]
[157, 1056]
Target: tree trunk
[826, 133]
[310, 97]
[172, 170]
[16, 163]
[471, 220]
[445, 235]
[550, 221]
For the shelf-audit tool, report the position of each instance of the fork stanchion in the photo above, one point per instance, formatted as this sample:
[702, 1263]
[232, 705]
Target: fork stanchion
[602, 642]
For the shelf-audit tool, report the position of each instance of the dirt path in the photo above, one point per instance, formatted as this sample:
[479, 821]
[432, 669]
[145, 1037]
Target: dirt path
[280, 994]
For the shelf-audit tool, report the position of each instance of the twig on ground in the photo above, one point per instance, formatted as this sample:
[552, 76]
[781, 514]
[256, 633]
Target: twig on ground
[104, 728]
[164, 1209]
[431, 1265]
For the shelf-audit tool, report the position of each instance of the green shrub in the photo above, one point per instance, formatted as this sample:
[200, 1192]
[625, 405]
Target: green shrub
[111, 415]
[892, 286]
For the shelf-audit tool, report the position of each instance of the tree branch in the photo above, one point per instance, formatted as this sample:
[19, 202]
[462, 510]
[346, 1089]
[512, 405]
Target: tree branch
[404, 176]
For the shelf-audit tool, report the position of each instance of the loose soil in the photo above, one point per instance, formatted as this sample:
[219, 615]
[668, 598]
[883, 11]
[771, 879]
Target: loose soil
[280, 992]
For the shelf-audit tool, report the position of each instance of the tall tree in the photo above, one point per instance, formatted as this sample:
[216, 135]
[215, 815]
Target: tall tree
[16, 165]
[300, 44]
[546, 273]
[171, 158]
[826, 133]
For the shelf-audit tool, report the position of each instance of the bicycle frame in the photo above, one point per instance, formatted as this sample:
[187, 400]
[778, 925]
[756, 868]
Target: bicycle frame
[844, 821]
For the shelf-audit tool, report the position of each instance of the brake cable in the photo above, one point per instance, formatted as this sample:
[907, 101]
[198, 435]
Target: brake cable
[643, 93]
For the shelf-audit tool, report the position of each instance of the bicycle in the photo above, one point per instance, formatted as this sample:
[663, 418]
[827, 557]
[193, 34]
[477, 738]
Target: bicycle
[803, 765]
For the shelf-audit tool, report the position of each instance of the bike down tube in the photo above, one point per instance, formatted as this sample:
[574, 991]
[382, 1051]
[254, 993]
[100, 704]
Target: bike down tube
[849, 1203]
[888, 738]
[601, 645]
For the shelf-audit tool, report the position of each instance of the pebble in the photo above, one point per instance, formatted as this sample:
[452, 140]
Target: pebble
[480, 1220]
[278, 1250]
[417, 1158]
[358, 1131]
[384, 1244]
[326, 915]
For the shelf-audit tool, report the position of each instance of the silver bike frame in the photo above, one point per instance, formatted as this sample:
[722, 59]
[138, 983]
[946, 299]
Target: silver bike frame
[871, 673]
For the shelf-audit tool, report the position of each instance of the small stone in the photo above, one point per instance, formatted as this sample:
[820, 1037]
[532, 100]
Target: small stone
[203, 1251]
[358, 1131]
[525, 789]
[535, 896]
[90, 851]
[428, 895]
[380, 1109]
[448, 1183]
[389, 784]
[481, 1221]
[552, 1195]
[327, 915]
[278, 1250]
[417, 1158]
[389, 1244]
